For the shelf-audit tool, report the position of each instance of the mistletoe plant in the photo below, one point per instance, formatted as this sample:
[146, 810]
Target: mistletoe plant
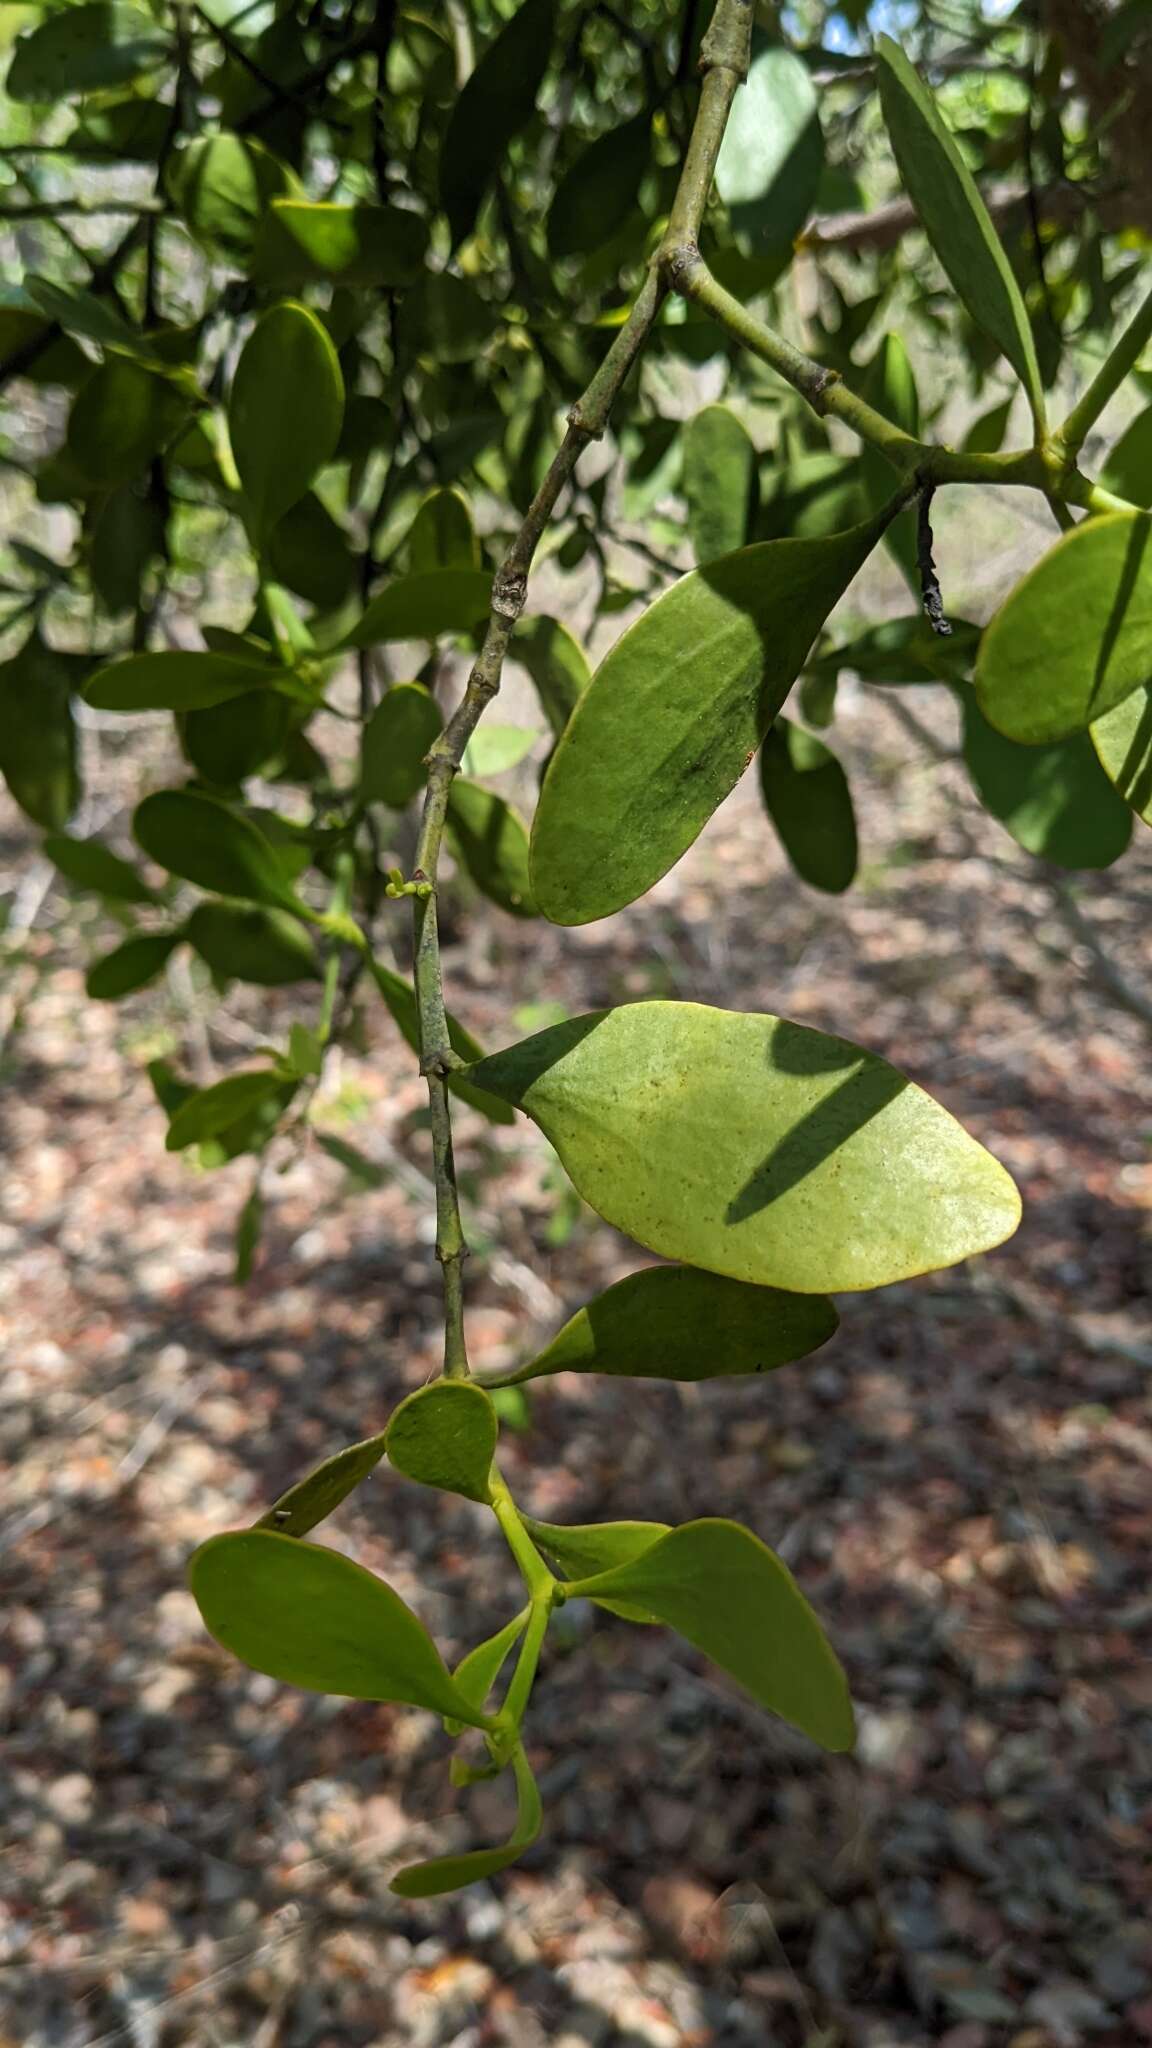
[771, 1165]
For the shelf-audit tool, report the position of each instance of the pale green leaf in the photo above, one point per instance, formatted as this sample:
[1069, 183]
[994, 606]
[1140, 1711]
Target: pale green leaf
[284, 412]
[304, 241]
[477, 1673]
[445, 1435]
[1123, 743]
[318, 1495]
[424, 605]
[772, 154]
[491, 842]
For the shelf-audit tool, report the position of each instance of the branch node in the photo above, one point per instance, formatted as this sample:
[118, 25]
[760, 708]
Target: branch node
[726, 44]
[509, 591]
[678, 264]
[929, 581]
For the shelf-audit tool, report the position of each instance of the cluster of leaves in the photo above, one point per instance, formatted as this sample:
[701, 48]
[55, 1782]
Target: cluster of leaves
[347, 313]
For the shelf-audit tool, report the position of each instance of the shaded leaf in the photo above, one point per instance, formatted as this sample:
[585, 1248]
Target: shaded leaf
[203, 841]
[1128, 470]
[674, 1323]
[1123, 743]
[246, 1243]
[303, 241]
[491, 841]
[318, 1495]
[1056, 801]
[445, 1435]
[130, 966]
[85, 49]
[673, 716]
[284, 412]
[719, 480]
[38, 756]
[451, 1873]
[557, 665]
[310, 1617]
[223, 184]
[953, 214]
[228, 742]
[498, 100]
[723, 1590]
[308, 552]
[175, 681]
[244, 942]
[208, 1111]
[585, 208]
[807, 797]
[400, 997]
[755, 1147]
[442, 535]
[393, 745]
[123, 416]
[92, 865]
[422, 606]
[986, 434]
[1075, 637]
[127, 534]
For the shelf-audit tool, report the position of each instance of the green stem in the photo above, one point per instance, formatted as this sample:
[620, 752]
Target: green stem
[520, 1685]
[533, 1570]
[1116, 366]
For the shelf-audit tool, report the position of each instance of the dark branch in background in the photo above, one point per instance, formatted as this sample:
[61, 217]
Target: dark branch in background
[929, 581]
[383, 30]
[303, 89]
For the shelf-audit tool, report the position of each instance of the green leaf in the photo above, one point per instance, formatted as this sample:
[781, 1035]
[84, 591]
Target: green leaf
[673, 716]
[363, 1173]
[498, 100]
[81, 312]
[719, 482]
[1123, 743]
[308, 552]
[92, 865]
[177, 681]
[723, 1590]
[673, 1323]
[302, 242]
[986, 434]
[400, 997]
[127, 534]
[755, 1147]
[130, 966]
[86, 49]
[581, 1549]
[394, 743]
[477, 1673]
[230, 741]
[1056, 801]
[494, 749]
[246, 1240]
[586, 205]
[38, 757]
[445, 318]
[772, 154]
[451, 1873]
[122, 417]
[242, 942]
[321, 1491]
[203, 841]
[442, 535]
[953, 215]
[557, 665]
[490, 840]
[445, 1435]
[807, 797]
[223, 184]
[1128, 470]
[209, 1111]
[284, 413]
[312, 1618]
[423, 606]
[889, 386]
[1075, 637]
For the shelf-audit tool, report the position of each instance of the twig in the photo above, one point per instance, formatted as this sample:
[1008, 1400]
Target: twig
[929, 581]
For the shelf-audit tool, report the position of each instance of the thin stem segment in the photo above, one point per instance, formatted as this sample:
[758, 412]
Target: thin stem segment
[1117, 365]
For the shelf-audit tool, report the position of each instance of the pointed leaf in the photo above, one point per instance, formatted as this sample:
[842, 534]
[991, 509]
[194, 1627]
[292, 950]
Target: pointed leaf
[490, 839]
[308, 552]
[772, 154]
[581, 1549]
[726, 1592]
[400, 997]
[321, 1491]
[674, 1323]
[451, 1873]
[1128, 470]
[423, 606]
[394, 743]
[285, 411]
[557, 665]
[310, 1617]
[244, 942]
[1123, 743]
[203, 841]
[496, 103]
[130, 966]
[807, 797]
[38, 754]
[1056, 801]
[176, 681]
[1075, 637]
[494, 749]
[223, 185]
[889, 385]
[445, 1435]
[123, 416]
[755, 1147]
[673, 716]
[953, 215]
[719, 482]
[477, 1673]
[86, 49]
[209, 1111]
[92, 865]
[585, 209]
[304, 241]
[228, 742]
[442, 535]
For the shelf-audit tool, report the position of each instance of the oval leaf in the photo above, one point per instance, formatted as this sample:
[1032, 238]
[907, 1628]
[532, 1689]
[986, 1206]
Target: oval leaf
[312, 1618]
[303, 241]
[208, 1111]
[130, 966]
[394, 743]
[723, 1590]
[719, 482]
[451, 1873]
[1075, 637]
[123, 416]
[557, 665]
[585, 209]
[492, 844]
[807, 797]
[755, 1147]
[176, 681]
[1123, 743]
[1056, 801]
[203, 841]
[92, 865]
[230, 741]
[423, 606]
[674, 1323]
[243, 942]
[222, 185]
[674, 715]
[85, 49]
[772, 154]
[285, 411]
[442, 535]
[953, 215]
[320, 1492]
[38, 752]
[445, 1435]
